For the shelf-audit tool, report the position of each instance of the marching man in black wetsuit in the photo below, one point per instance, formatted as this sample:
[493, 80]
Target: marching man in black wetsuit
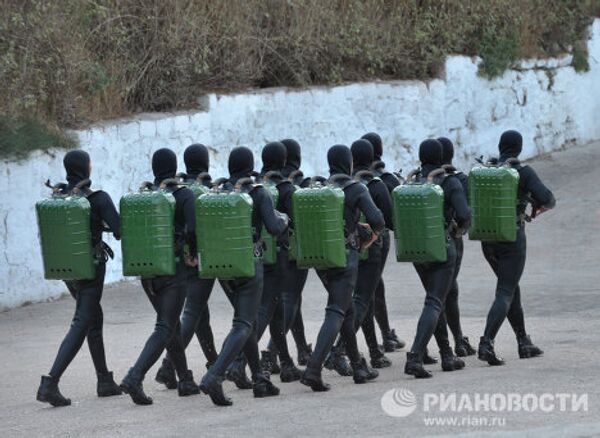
[437, 277]
[507, 259]
[245, 293]
[196, 316]
[340, 282]
[88, 319]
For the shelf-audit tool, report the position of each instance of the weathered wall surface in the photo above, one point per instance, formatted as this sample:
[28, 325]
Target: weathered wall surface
[551, 104]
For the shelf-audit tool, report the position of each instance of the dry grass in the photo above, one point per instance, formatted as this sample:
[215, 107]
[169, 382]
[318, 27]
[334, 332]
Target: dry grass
[71, 62]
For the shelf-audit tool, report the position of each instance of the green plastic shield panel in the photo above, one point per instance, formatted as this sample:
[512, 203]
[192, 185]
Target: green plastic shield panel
[319, 227]
[147, 234]
[493, 200]
[419, 223]
[224, 235]
[65, 238]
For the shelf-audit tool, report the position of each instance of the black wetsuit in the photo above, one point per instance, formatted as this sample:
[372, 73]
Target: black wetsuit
[437, 277]
[340, 282]
[245, 293]
[196, 314]
[280, 278]
[379, 308]
[88, 319]
[507, 259]
[293, 292]
[370, 270]
[167, 295]
[452, 308]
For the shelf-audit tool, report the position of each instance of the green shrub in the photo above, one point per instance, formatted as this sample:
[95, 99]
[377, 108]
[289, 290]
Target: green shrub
[72, 62]
[20, 136]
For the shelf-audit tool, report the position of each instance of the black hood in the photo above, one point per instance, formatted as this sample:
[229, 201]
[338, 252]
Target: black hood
[430, 152]
[362, 154]
[196, 160]
[375, 140]
[510, 145]
[447, 150]
[294, 156]
[273, 157]
[164, 165]
[77, 165]
[241, 163]
[339, 158]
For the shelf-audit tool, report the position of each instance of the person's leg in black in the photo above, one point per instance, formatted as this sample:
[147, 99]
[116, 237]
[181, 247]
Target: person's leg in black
[283, 317]
[508, 262]
[462, 346]
[364, 301]
[274, 282]
[339, 283]
[288, 316]
[198, 291]
[88, 316]
[167, 296]
[205, 337]
[368, 272]
[391, 342]
[298, 332]
[517, 321]
[245, 296]
[271, 291]
[106, 385]
[436, 278]
[361, 372]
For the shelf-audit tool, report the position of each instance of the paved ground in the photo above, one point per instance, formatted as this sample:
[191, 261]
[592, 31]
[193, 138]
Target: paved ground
[561, 298]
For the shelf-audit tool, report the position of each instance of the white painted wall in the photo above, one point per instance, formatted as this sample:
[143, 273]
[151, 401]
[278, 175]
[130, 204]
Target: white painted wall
[470, 110]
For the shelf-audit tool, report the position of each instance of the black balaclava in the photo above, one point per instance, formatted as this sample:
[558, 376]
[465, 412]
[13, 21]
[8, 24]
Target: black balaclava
[362, 154]
[510, 145]
[241, 163]
[375, 140]
[273, 157]
[196, 160]
[447, 150]
[77, 165]
[164, 165]
[339, 158]
[430, 153]
[294, 157]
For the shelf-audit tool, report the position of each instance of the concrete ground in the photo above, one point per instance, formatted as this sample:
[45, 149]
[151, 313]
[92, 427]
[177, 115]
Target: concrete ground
[560, 295]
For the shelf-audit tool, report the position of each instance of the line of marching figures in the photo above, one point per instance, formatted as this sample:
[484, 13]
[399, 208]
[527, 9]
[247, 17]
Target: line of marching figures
[258, 234]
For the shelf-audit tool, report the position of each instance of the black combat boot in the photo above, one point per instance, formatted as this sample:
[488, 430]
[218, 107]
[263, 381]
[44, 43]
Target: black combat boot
[166, 374]
[378, 359]
[304, 354]
[312, 378]
[236, 373]
[107, 386]
[414, 366]
[289, 372]
[391, 342]
[213, 387]
[449, 361]
[263, 387]
[48, 392]
[268, 362]
[336, 360]
[527, 349]
[132, 385]
[361, 372]
[186, 385]
[487, 354]
[427, 359]
[463, 348]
